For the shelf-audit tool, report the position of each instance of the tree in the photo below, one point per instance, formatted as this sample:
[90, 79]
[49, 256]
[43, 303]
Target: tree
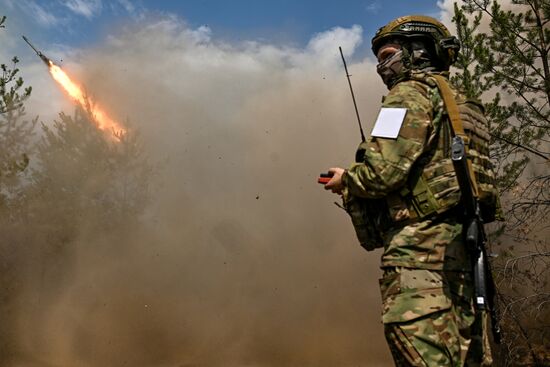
[83, 184]
[507, 67]
[16, 132]
[11, 84]
[512, 62]
[86, 177]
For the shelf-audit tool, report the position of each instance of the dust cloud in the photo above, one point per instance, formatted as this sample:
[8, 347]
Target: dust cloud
[447, 13]
[242, 258]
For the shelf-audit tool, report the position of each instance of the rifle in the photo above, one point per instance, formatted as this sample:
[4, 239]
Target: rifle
[475, 236]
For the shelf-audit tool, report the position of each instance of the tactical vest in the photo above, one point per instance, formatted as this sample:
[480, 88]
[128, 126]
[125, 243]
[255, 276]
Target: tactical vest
[432, 188]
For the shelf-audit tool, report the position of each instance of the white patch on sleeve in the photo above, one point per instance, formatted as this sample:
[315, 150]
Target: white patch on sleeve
[389, 122]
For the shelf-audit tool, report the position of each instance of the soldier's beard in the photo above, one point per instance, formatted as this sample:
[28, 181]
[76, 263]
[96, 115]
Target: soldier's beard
[391, 68]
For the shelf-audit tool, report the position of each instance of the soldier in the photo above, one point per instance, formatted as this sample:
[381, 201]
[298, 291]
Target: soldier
[402, 194]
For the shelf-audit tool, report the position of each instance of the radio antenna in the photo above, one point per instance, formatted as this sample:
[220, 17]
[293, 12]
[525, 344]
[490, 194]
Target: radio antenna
[352, 95]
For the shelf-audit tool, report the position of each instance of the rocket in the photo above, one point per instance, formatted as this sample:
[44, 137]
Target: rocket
[40, 54]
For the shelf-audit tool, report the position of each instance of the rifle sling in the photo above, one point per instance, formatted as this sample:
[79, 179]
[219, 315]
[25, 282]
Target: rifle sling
[456, 123]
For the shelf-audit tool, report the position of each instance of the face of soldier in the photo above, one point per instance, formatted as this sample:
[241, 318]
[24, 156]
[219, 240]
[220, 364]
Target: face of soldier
[390, 64]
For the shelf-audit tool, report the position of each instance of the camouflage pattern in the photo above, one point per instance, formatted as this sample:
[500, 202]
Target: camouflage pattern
[364, 214]
[427, 289]
[415, 175]
[429, 319]
[387, 162]
[385, 171]
[430, 244]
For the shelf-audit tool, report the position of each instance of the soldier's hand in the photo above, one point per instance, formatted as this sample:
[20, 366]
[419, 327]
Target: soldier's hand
[335, 184]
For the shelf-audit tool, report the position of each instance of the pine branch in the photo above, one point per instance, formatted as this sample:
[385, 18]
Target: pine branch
[521, 146]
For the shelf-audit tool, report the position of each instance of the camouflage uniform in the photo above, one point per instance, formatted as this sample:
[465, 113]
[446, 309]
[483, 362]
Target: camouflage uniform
[427, 290]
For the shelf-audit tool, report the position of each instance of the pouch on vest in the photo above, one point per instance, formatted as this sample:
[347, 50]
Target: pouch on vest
[432, 188]
[366, 220]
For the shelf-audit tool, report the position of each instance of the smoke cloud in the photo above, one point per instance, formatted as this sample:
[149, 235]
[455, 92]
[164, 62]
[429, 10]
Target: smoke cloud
[447, 12]
[244, 259]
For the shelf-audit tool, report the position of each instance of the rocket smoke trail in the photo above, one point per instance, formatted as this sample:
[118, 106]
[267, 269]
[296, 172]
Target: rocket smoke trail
[102, 119]
[241, 259]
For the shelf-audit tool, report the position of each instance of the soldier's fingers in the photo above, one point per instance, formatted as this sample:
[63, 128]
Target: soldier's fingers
[334, 170]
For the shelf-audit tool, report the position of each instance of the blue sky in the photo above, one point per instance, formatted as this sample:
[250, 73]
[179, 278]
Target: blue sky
[80, 23]
[68, 31]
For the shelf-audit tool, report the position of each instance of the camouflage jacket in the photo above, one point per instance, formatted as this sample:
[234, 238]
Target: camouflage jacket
[386, 166]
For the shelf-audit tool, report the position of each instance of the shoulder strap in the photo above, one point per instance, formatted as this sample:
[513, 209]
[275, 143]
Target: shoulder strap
[456, 122]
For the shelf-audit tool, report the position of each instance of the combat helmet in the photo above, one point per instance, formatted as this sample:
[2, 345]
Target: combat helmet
[445, 45]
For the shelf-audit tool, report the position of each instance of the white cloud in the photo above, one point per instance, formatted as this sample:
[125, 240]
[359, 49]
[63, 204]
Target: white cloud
[245, 128]
[86, 8]
[128, 6]
[194, 57]
[374, 7]
[323, 47]
[134, 9]
[40, 14]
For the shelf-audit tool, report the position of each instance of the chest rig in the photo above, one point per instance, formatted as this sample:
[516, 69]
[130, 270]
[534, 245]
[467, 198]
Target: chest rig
[432, 188]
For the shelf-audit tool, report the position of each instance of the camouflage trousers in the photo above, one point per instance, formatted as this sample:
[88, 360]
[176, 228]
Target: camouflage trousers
[429, 319]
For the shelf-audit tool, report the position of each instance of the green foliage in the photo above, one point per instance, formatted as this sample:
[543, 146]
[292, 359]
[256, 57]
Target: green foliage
[70, 182]
[11, 95]
[87, 178]
[10, 87]
[505, 63]
[16, 132]
[508, 67]
[16, 137]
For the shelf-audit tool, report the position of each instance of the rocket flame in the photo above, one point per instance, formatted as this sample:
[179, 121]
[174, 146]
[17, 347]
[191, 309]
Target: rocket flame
[102, 121]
